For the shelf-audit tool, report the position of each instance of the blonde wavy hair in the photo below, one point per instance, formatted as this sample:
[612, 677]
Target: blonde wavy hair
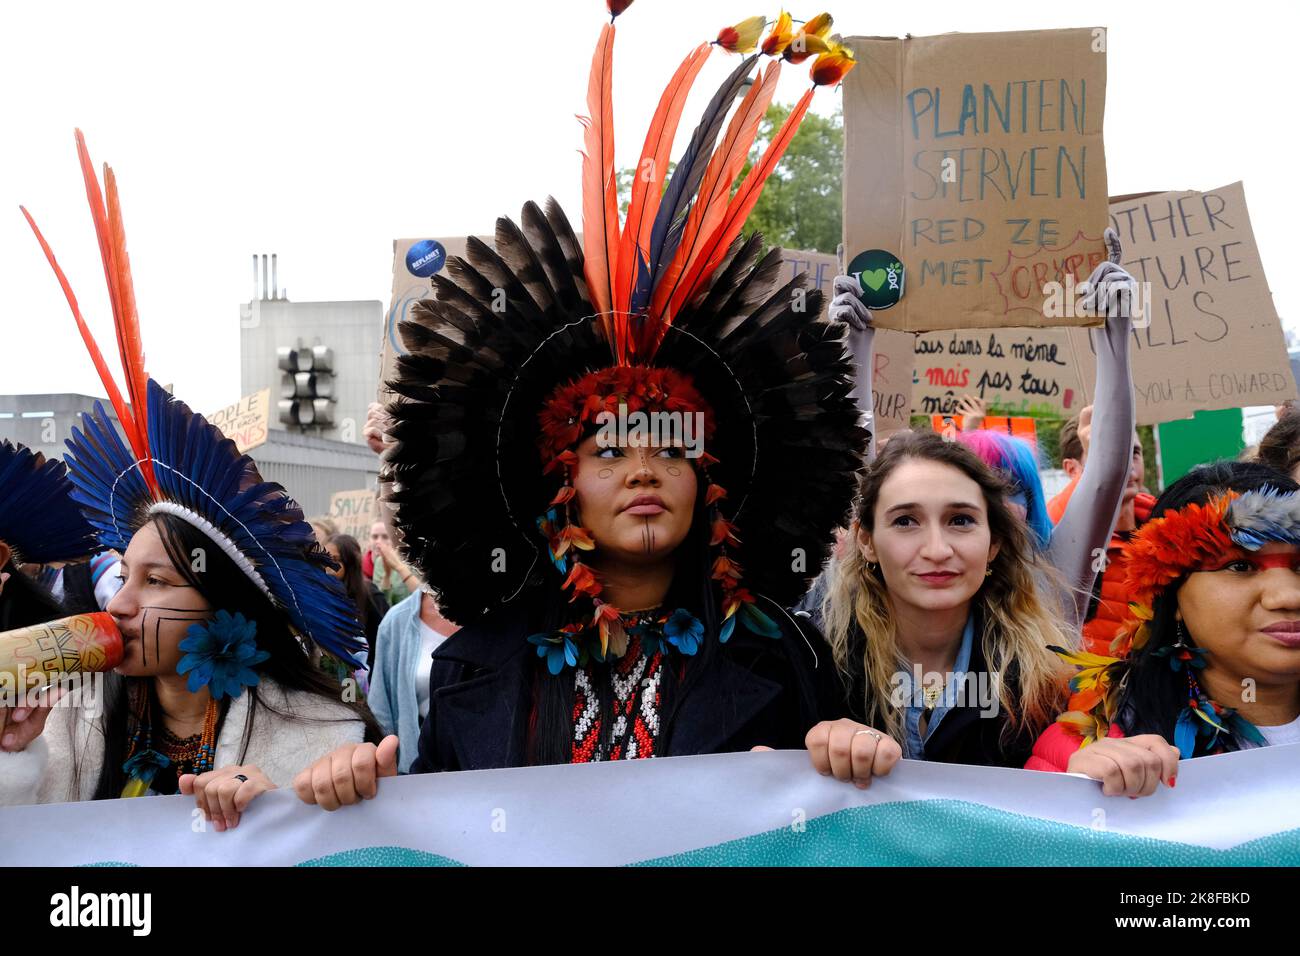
[1019, 616]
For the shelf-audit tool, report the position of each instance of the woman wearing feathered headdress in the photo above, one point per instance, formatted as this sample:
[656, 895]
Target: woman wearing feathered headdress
[618, 460]
[1214, 663]
[225, 601]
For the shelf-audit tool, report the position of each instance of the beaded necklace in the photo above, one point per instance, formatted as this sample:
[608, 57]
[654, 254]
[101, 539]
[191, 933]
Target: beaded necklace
[194, 754]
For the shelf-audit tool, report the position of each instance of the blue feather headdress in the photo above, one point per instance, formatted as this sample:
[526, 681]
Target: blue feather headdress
[168, 460]
[38, 518]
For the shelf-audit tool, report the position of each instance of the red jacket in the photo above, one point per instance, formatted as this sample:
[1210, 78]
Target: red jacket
[1056, 745]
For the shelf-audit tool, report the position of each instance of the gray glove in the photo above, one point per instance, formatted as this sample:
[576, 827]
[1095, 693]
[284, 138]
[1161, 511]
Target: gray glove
[847, 305]
[1110, 290]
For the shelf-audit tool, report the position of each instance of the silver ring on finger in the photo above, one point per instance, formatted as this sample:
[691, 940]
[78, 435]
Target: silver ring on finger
[871, 733]
[241, 778]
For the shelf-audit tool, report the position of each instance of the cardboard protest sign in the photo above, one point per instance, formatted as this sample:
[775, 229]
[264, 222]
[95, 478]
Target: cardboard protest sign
[415, 262]
[1026, 371]
[977, 161]
[1212, 338]
[353, 512]
[246, 421]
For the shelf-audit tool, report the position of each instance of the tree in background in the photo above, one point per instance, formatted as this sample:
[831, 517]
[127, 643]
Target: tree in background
[800, 207]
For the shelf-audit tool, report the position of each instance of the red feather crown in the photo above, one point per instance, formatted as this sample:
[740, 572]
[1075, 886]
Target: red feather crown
[1168, 547]
[575, 409]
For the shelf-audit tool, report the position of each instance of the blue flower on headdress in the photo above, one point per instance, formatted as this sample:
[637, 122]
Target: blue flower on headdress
[650, 634]
[559, 649]
[221, 655]
[684, 631]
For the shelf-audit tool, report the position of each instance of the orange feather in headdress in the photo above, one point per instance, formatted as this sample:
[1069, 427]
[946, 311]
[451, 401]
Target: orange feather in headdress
[648, 177]
[715, 188]
[714, 249]
[599, 182]
[1168, 547]
[121, 294]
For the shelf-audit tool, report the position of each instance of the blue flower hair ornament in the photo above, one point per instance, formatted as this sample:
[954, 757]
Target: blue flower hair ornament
[221, 655]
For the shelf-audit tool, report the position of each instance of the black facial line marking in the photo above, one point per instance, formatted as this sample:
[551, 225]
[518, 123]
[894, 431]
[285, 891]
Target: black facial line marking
[173, 614]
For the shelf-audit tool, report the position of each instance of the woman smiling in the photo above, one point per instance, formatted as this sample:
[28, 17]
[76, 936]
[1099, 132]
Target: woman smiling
[936, 620]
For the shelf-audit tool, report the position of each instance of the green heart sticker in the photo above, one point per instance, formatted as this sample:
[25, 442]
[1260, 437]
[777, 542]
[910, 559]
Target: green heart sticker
[880, 276]
[873, 280]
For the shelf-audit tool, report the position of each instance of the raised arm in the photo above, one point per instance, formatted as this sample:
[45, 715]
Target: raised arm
[1089, 519]
[848, 307]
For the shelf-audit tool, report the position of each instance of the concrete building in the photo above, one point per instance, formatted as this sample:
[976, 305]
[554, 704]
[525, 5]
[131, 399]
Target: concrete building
[352, 331]
[311, 468]
[44, 422]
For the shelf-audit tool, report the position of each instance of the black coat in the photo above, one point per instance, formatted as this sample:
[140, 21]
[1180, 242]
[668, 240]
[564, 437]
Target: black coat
[759, 690]
[965, 735]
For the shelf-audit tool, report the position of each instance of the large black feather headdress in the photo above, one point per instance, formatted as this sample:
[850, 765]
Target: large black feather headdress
[525, 339]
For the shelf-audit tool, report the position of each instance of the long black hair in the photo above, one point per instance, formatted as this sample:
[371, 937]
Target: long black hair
[550, 736]
[1153, 696]
[224, 585]
[358, 587]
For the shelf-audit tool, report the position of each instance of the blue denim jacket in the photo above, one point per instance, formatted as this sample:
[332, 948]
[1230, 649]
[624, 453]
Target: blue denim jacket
[914, 743]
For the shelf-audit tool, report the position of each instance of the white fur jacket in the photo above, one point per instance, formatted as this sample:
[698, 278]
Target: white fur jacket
[280, 746]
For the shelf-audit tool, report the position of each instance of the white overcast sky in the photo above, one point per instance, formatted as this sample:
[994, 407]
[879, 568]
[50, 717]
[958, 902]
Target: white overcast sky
[322, 131]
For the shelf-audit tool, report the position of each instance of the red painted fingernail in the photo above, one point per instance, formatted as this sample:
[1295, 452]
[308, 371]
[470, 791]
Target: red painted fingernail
[1173, 782]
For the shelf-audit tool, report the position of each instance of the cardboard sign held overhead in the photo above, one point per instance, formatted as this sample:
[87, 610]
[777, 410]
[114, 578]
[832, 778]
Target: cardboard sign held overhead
[1212, 338]
[245, 422]
[353, 512]
[413, 271]
[976, 160]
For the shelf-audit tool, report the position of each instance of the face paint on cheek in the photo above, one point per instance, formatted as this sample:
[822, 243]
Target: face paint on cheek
[675, 471]
[157, 622]
[605, 472]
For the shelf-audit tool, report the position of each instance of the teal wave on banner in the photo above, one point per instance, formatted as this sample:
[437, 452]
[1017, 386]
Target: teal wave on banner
[957, 833]
[381, 856]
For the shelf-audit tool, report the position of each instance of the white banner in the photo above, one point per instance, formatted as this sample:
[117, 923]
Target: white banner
[732, 809]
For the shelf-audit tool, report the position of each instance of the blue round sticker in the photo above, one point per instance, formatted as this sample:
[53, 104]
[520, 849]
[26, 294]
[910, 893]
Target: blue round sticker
[425, 258]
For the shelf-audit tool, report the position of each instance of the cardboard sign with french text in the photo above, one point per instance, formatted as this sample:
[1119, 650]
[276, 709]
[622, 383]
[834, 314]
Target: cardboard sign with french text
[1020, 371]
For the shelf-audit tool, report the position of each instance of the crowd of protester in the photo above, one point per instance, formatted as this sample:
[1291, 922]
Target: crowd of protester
[953, 565]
